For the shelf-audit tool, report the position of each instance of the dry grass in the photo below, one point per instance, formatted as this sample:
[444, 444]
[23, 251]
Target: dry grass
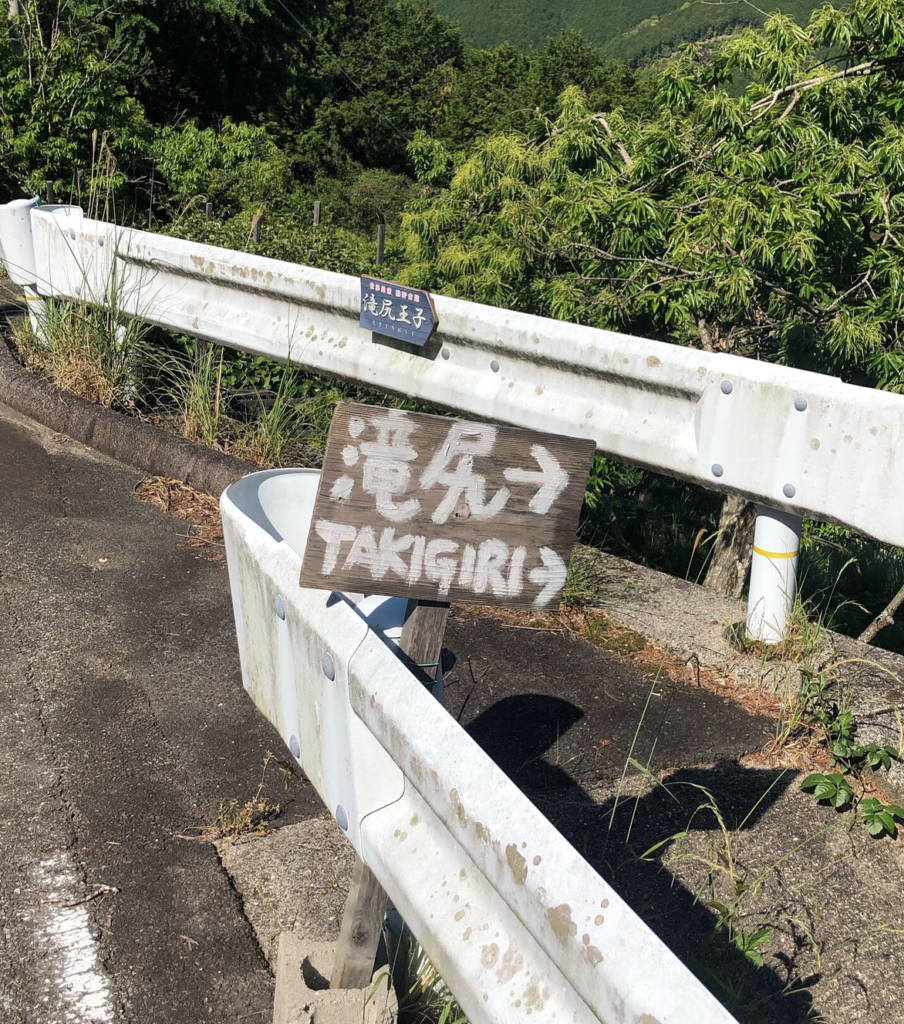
[87, 351]
[250, 819]
[201, 511]
[239, 821]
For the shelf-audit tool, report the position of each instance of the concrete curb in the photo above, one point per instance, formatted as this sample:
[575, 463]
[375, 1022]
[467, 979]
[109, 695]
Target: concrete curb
[124, 438]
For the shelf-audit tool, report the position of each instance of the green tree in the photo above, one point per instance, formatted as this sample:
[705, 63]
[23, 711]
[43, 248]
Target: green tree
[571, 59]
[758, 208]
[489, 91]
[213, 58]
[233, 166]
[381, 81]
[62, 72]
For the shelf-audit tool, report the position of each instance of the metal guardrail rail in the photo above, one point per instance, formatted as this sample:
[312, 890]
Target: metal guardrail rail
[516, 922]
[797, 443]
[789, 439]
[513, 917]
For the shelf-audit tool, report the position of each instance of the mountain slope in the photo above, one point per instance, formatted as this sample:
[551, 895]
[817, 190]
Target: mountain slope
[630, 29]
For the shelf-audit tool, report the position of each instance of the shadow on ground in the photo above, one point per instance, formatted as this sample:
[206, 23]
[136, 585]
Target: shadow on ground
[626, 838]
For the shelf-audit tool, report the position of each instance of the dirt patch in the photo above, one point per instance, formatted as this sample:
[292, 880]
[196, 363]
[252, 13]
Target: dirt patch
[201, 511]
[603, 633]
[552, 709]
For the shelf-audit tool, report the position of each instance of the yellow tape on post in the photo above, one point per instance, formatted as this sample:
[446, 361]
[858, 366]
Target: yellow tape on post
[776, 554]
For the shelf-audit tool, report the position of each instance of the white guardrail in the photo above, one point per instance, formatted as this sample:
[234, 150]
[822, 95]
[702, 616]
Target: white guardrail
[516, 922]
[795, 442]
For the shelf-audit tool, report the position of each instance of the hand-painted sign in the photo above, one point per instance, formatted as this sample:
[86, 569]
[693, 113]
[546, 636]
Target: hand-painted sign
[445, 510]
[397, 311]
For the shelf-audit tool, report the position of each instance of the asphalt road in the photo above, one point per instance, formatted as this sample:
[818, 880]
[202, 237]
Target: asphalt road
[124, 725]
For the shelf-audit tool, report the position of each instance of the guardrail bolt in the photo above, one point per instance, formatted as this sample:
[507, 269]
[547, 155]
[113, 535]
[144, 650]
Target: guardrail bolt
[789, 490]
[341, 818]
[494, 366]
[726, 387]
[294, 747]
[329, 670]
[446, 353]
[280, 608]
[800, 404]
[717, 469]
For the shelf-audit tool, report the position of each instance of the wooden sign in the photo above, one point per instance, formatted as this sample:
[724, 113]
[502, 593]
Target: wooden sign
[445, 510]
[397, 311]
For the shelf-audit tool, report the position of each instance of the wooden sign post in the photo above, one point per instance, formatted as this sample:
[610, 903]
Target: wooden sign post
[362, 920]
[437, 510]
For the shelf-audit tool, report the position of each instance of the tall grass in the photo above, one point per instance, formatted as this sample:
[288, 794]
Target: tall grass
[275, 436]
[190, 386]
[89, 351]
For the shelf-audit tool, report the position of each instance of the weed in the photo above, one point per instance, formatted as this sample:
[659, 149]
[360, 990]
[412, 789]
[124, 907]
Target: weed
[803, 638]
[382, 981]
[834, 788]
[276, 435]
[880, 819]
[193, 387]
[235, 820]
[581, 582]
[818, 721]
[423, 996]
[89, 351]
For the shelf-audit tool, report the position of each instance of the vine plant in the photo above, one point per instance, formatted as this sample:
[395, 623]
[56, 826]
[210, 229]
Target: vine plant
[850, 759]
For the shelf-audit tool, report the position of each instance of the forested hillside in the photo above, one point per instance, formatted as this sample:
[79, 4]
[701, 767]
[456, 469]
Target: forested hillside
[628, 29]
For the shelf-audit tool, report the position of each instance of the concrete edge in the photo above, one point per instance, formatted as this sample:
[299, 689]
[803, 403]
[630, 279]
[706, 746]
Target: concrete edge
[299, 999]
[117, 435]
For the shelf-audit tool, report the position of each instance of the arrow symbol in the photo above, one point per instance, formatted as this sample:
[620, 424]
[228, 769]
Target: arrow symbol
[552, 479]
[550, 575]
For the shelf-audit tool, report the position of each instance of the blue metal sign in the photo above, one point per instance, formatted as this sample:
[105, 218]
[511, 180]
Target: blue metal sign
[397, 311]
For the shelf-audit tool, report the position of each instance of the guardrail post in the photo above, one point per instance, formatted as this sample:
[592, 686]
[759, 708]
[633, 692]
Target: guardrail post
[773, 573]
[18, 253]
[362, 922]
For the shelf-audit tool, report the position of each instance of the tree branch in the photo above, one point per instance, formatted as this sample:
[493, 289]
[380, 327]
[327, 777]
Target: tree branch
[812, 83]
[889, 235]
[885, 618]
[648, 260]
[629, 163]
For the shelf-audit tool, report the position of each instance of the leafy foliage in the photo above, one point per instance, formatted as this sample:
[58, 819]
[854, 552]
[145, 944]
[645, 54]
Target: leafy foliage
[61, 79]
[834, 788]
[880, 818]
[764, 224]
[835, 728]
